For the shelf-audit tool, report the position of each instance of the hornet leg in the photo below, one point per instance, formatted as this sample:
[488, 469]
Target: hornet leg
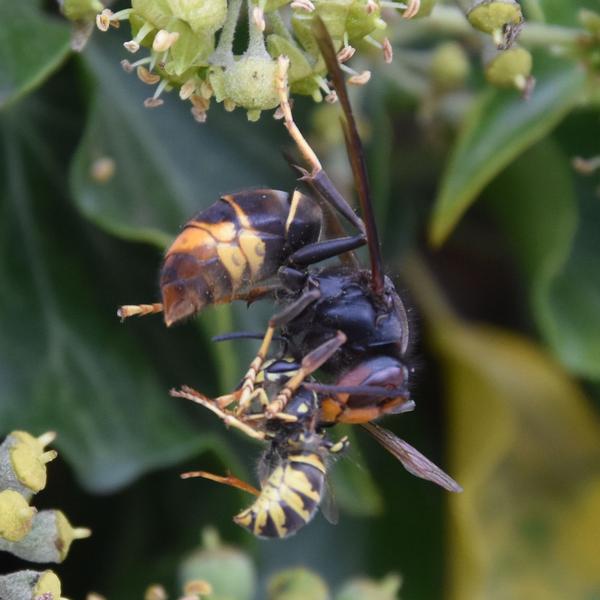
[288, 313]
[310, 363]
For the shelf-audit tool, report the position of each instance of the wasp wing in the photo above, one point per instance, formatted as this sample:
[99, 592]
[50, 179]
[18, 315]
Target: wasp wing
[329, 506]
[355, 152]
[412, 460]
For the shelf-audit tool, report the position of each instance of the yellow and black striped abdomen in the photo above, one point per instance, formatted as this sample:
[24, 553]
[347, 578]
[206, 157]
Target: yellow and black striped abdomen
[289, 497]
[240, 240]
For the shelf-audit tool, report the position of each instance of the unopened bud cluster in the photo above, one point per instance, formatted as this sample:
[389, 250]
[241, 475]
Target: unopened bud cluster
[43, 536]
[229, 573]
[175, 46]
[508, 65]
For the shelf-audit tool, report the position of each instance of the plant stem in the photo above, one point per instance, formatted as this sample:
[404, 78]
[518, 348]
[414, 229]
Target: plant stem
[451, 21]
[223, 53]
[256, 42]
[534, 11]
[541, 34]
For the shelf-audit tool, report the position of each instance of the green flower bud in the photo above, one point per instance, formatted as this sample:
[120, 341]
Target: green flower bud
[360, 589]
[203, 16]
[250, 82]
[510, 68]
[81, 10]
[15, 516]
[492, 15]
[297, 584]
[48, 540]
[361, 22]
[30, 585]
[229, 571]
[449, 66]
[23, 462]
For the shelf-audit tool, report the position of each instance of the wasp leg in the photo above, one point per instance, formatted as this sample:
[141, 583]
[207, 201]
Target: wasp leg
[138, 310]
[256, 293]
[227, 399]
[340, 446]
[318, 251]
[228, 418]
[289, 312]
[310, 363]
[317, 178]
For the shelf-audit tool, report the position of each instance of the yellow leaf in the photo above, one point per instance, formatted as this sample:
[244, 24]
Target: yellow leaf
[525, 446]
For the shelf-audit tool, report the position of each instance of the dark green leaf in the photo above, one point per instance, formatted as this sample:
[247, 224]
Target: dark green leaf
[499, 127]
[66, 363]
[557, 248]
[168, 167]
[32, 46]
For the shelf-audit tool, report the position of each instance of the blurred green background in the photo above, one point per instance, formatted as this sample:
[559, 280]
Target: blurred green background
[504, 295]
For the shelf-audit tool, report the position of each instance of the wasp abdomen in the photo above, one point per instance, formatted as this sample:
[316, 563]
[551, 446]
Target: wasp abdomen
[289, 497]
[240, 240]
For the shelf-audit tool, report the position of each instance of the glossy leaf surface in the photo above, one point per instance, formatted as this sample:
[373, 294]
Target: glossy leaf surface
[32, 46]
[498, 128]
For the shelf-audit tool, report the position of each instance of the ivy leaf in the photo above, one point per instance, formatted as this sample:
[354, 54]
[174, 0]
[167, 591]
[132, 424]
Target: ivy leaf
[556, 246]
[88, 379]
[524, 446]
[167, 166]
[32, 47]
[498, 128]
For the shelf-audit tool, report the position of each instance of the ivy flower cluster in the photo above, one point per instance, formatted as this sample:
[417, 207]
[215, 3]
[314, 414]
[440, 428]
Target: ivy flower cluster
[37, 536]
[188, 45]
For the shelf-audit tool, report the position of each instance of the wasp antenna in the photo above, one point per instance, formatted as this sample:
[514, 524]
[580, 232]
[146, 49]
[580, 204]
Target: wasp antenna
[355, 153]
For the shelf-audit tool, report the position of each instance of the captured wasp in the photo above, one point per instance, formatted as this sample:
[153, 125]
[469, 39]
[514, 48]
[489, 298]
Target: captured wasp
[294, 467]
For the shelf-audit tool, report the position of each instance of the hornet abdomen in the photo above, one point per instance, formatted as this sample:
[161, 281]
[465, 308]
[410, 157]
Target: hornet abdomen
[240, 240]
[289, 497]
